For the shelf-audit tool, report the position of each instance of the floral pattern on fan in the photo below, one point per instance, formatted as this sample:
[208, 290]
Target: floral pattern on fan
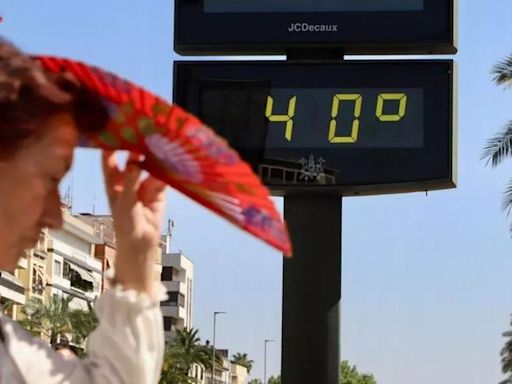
[177, 159]
[207, 140]
[255, 216]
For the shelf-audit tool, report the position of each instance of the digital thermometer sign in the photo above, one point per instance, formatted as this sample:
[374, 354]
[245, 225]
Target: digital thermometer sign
[349, 127]
[278, 26]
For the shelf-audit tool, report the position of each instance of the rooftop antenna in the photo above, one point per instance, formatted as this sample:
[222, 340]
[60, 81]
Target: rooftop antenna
[170, 227]
[68, 197]
[71, 193]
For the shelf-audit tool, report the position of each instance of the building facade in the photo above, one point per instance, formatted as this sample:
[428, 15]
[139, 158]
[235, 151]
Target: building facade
[72, 269]
[62, 263]
[226, 373]
[177, 276]
[12, 289]
[106, 248]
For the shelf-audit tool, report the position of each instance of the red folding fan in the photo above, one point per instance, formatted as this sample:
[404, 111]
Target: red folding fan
[180, 150]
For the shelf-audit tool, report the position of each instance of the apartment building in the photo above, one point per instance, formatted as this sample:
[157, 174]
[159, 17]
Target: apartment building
[71, 261]
[12, 290]
[106, 248]
[34, 276]
[239, 374]
[226, 373]
[178, 278]
[72, 268]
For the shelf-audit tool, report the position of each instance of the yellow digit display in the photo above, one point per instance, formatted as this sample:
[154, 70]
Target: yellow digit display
[336, 102]
[288, 119]
[401, 97]
[349, 118]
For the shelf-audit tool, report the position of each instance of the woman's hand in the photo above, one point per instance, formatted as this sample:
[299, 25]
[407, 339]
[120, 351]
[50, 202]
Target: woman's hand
[137, 208]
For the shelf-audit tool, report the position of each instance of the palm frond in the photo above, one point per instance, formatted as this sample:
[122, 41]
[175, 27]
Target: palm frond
[507, 199]
[499, 147]
[503, 72]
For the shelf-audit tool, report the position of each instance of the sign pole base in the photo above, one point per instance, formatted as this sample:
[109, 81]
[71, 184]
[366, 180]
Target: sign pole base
[312, 291]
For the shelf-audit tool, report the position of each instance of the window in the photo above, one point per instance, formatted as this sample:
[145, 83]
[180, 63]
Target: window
[67, 270]
[38, 284]
[38, 256]
[78, 282]
[174, 300]
[169, 323]
[167, 273]
[57, 268]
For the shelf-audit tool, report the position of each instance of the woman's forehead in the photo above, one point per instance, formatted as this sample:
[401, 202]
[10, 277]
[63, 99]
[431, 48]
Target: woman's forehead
[60, 130]
[57, 142]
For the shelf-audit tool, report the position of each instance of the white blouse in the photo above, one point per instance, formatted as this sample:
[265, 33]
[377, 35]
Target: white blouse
[126, 348]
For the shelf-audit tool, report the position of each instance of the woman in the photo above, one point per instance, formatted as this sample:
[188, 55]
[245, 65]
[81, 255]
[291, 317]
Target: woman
[40, 119]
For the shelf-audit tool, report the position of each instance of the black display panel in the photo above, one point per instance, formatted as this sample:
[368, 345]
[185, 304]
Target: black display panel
[218, 27]
[268, 6]
[355, 127]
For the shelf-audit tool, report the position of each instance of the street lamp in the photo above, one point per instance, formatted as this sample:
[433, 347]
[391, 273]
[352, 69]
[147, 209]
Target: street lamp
[265, 361]
[213, 353]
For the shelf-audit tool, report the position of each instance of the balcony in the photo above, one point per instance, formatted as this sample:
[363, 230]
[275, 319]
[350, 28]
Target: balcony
[23, 262]
[178, 261]
[11, 288]
[175, 286]
[174, 311]
[61, 282]
[78, 257]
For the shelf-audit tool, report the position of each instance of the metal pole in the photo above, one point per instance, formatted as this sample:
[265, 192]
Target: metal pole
[213, 352]
[265, 361]
[312, 291]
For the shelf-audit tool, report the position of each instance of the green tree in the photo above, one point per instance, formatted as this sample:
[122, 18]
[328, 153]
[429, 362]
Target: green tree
[506, 357]
[4, 308]
[82, 323]
[499, 147]
[274, 380]
[56, 318]
[181, 353]
[172, 372]
[255, 381]
[350, 375]
[187, 349]
[243, 360]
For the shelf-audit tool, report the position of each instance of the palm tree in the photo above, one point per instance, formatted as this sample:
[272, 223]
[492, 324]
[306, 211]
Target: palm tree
[49, 320]
[499, 147]
[83, 323]
[8, 304]
[56, 318]
[243, 360]
[171, 368]
[496, 151]
[181, 353]
[506, 358]
[186, 346]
